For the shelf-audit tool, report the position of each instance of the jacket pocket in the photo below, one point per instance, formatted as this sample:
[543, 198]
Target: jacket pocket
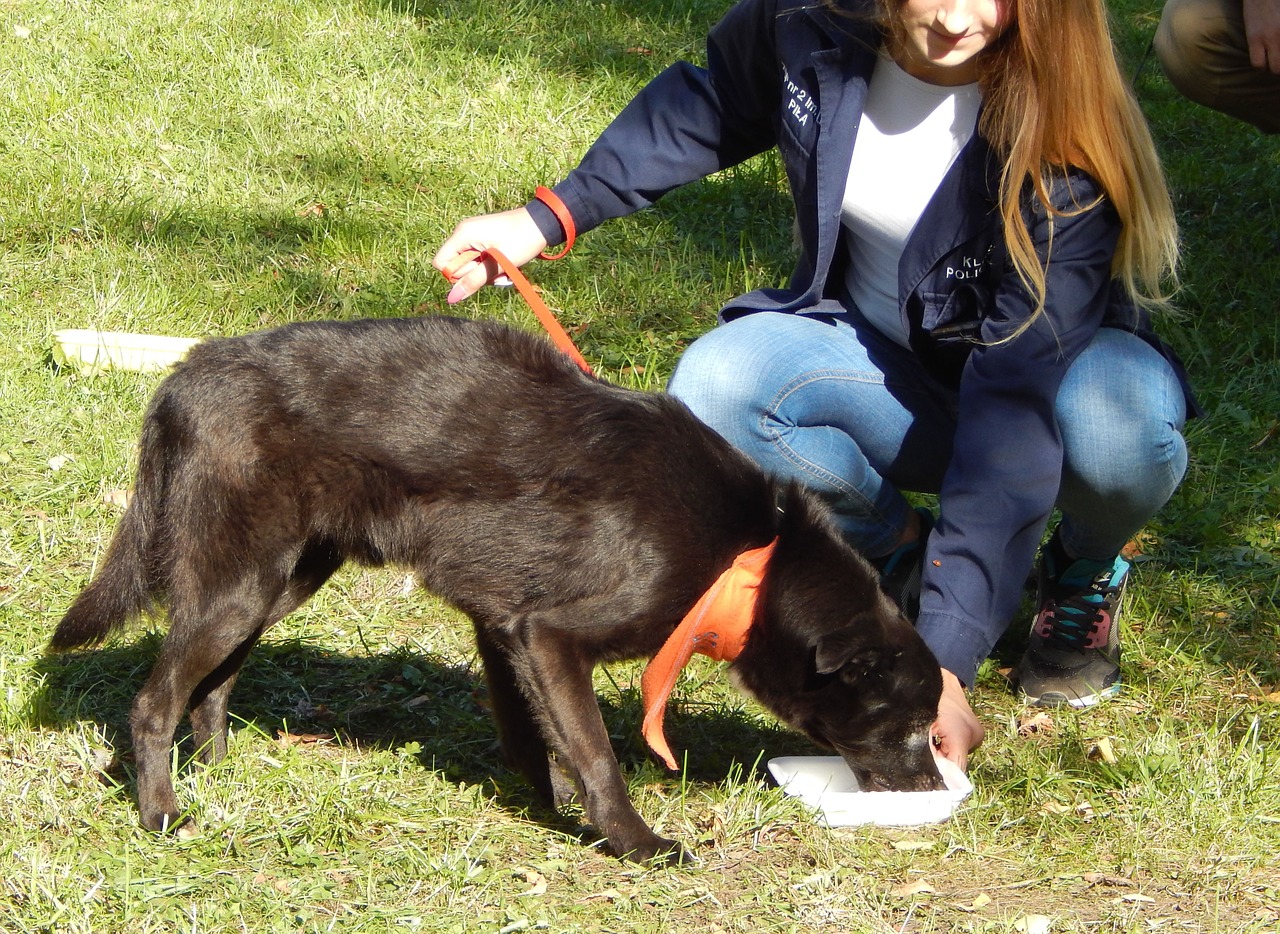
[953, 317]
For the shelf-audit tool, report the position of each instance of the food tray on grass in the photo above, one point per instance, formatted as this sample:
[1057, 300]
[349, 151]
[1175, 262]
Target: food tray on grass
[826, 784]
[94, 351]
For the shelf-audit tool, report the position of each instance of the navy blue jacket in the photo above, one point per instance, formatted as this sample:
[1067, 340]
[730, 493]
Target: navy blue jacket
[794, 75]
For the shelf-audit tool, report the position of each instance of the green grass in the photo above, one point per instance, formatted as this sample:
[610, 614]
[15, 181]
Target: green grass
[200, 169]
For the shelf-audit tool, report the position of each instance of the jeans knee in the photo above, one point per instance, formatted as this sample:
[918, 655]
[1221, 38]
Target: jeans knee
[1133, 462]
[1195, 44]
[709, 379]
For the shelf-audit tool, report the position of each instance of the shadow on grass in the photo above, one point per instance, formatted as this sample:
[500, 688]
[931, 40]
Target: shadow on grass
[575, 41]
[390, 701]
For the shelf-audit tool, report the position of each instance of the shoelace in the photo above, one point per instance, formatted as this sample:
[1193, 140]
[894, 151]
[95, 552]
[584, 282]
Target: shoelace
[1076, 618]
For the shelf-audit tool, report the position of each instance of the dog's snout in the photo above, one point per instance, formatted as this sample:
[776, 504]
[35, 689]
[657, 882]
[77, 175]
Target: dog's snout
[914, 772]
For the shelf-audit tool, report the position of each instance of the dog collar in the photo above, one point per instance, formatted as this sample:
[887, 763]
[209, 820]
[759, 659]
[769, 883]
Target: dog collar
[717, 626]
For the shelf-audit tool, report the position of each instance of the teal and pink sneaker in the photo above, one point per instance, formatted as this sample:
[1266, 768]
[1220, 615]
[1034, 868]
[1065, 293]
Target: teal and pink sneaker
[1073, 652]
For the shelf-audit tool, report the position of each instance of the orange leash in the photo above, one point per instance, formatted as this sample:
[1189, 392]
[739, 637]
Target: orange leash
[559, 336]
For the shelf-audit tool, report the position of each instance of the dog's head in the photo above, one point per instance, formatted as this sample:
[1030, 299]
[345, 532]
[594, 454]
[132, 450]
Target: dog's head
[868, 690]
[873, 700]
[831, 656]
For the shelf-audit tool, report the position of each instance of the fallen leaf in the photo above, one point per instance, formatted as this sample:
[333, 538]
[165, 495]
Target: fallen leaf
[119, 498]
[315, 209]
[612, 895]
[913, 844]
[58, 461]
[1272, 698]
[1100, 751]
[1102, 878]
[22, 32]
[1040, 722]
[1033, 924]
[982, 901]
[537, 882]
[302, 739]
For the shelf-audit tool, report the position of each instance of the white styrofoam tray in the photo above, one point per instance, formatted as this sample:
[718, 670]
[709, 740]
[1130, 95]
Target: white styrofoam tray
[826, 784]
[94, 351]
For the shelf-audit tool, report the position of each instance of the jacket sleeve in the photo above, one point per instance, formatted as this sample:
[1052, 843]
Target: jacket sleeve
[685, 124]
[1003, 479]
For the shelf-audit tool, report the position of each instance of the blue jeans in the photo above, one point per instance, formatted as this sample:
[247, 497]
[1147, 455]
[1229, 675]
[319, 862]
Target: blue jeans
[829, 401]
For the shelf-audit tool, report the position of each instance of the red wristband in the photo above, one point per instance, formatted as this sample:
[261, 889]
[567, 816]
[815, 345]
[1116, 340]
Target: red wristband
[552, 200]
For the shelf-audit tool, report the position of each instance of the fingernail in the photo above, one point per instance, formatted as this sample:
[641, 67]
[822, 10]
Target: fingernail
[456, 294]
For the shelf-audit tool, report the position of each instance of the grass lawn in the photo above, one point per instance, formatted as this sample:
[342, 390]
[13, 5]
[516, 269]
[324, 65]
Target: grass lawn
[199, 169]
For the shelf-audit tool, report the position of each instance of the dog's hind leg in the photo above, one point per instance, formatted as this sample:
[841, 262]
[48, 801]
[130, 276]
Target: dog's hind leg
[209, 702]
[556, 675]
[201, 640]
[524, 748]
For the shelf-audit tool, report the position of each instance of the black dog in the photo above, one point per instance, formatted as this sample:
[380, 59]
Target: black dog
[574, 521]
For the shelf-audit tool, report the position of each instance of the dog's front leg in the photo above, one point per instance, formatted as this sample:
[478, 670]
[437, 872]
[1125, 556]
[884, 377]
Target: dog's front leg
[520, 734]
[558, 680]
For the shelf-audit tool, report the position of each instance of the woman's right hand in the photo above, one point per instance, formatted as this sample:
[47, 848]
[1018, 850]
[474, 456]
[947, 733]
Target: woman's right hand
[957, 731]
[461, 257]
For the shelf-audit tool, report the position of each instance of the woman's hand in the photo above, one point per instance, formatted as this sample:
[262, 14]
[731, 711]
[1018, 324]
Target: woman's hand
[460, 258]
[957, 731]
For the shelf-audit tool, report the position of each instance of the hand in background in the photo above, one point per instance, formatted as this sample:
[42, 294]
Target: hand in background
[1262, 27]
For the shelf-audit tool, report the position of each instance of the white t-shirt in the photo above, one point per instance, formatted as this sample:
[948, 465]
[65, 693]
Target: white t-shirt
[909, 135]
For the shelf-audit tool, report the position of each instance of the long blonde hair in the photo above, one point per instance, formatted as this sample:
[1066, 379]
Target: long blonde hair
[1054, 98]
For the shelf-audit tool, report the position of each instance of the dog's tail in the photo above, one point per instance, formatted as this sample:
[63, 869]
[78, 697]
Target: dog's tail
[126, 584]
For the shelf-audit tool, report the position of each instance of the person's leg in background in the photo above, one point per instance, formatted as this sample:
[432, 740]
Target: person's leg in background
[1204, 50]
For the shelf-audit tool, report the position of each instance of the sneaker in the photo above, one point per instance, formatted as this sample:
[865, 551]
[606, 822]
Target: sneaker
[901, 570]
[1073, 653]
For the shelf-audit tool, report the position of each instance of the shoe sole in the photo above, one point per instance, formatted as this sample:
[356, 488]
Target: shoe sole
[1054, 699]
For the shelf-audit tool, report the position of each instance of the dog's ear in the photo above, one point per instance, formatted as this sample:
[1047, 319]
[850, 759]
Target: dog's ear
[848, 647]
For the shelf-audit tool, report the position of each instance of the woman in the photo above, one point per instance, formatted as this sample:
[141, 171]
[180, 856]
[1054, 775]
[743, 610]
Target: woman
[983, 225]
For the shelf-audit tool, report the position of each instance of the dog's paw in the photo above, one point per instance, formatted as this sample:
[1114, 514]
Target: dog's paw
[676, 856]
[659, 852]
[171, 822]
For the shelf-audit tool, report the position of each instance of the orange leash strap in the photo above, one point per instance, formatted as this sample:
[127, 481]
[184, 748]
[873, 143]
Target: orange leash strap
[559, 336]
